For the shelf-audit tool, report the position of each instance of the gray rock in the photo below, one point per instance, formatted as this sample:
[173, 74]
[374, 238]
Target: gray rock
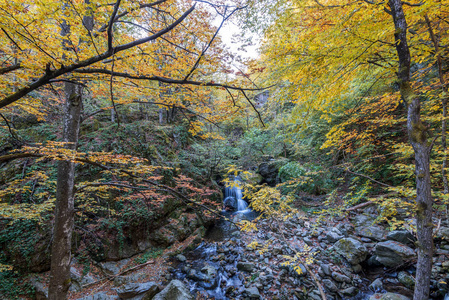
[230, 203]
[253, 292]
[443, 233]
[41, 292]
[333, 236]
[402, 236]
[100, 296]
[406, 279]
[245, 266]
[175, 290]
[354, 251]
[132, 290]
[350, 291]
[340, 277]
[393, 254]
[373, 232]
[121, 280]
[326, 269]
[181, 258]
[330, 285]
[388, 296]
[363, 221]
[376, 285]
[113, 267]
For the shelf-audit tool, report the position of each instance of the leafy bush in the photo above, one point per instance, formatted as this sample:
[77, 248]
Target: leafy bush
[296, 177]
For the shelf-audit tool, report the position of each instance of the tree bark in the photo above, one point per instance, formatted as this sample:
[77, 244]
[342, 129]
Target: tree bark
[418, 135]
[64, 213]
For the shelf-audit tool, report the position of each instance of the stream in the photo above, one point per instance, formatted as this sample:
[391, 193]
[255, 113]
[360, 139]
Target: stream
[223, 268]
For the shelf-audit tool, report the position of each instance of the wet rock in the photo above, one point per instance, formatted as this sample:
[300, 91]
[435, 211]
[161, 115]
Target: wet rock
[181, 258]
[230, 203]
[393, 254]
[406, 279]
[402, 236]
[376, 285]
[388, 296]
[253, 293]
[141, 290]
[245, 266]
[351, 249]
[175, 290]
[100, 296]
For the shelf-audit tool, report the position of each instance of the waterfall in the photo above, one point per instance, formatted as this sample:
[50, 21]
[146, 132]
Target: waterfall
[234, 194]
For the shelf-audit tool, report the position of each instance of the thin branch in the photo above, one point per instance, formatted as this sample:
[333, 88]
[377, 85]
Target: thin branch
[111, 90]
[255, 109]
[11, 39]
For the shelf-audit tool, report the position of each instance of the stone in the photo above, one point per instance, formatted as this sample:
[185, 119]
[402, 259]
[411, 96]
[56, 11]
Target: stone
[253, 292]
[393, 254]
[269, 171]
[230, 204]
[351, 249]
[121, 280]
[175, 290]
[388, 296]
[340, 277]
[326, 269]
[350, 291]
[376, 285]
[402, 236]
[100, 296]
[330, 285]
[333, 236]
[363, 221]
[113, 267]
[245, 266]
[406, 279]
[132, 290]
[181, 258]
[41, 292]
[443, 233]
[374, 232]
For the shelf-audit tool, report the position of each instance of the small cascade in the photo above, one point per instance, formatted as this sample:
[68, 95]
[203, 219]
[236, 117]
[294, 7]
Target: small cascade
[234, 195]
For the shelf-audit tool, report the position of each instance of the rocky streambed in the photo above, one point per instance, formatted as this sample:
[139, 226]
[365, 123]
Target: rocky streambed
[352, 259]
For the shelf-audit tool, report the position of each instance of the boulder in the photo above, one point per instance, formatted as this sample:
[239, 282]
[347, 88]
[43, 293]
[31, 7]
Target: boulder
[402, 236]
[393, 254]
[269, 171]
[245, 266]
[406, 279]
[253, 292]
[113, 267]
[351, 249]
[175, 290]
[207, 277]
[388, 296]
[374, 232]
[140, 290]
[230, 204]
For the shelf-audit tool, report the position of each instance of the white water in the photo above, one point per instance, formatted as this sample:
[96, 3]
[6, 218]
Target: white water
[236, 192]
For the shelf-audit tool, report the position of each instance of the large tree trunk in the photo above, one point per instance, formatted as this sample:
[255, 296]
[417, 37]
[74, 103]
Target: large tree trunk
[417, 132]
[64, 214]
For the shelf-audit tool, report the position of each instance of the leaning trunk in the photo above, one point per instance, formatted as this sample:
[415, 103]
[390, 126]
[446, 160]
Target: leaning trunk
[64, 214]
[417, 132]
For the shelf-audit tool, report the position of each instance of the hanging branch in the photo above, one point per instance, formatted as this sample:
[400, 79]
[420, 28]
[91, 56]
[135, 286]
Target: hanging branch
[255, 109]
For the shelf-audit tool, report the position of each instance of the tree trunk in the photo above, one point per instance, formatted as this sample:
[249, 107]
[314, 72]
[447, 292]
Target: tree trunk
[64, 214]
[417, 132]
